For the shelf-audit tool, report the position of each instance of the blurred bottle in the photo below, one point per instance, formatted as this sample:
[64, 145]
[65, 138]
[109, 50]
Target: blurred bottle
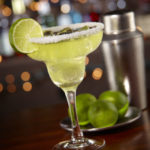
[76, 16]
[123, 50]
[45, 17]
[5, 48]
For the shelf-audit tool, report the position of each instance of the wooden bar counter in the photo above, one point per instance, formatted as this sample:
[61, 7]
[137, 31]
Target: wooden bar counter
[39, 129]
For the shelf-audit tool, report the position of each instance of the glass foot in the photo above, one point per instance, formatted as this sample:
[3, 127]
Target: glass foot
[87, 144]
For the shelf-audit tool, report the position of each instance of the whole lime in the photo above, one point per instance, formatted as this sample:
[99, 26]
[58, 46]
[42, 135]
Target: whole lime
[102, 114]
[118, 98]
[83, 102]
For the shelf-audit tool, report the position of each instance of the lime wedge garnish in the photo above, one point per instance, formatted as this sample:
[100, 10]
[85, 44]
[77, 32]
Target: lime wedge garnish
[21, 32]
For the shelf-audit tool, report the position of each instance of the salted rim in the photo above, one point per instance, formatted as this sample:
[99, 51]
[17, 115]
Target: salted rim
[58, 38]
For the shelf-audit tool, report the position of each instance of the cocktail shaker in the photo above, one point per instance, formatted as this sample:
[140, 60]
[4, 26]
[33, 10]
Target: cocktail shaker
[123, 51]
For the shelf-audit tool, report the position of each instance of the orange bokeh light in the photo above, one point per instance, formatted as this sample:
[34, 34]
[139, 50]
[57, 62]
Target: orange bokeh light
[82, 1]
[97, 73]
[10, 78]
[54, 1]
[11, 88]
[6, 11]
[87, 60]
[34, 6]
[25, 76]
[1, 58]
[27, 86]
[1, 87]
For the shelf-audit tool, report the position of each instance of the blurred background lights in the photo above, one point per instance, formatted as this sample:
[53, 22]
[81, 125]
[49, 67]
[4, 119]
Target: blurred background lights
[82, 1]
[27, 2]
[87, 60]
[11, 88]
[112, 5]
[44, 8]
[1, 87]
[6, 11]
[18, 7]
[5, 48]
[121, 4]
[25, 76]
[10, 78]
[64, 19]
[65, 8]
[27, 86]
[1, 58]
[34, 6]
[76, 17]
[54, 1]
[97, 73]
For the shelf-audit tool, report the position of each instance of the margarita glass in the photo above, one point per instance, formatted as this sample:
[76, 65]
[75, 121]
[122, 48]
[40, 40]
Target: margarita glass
[64, 56]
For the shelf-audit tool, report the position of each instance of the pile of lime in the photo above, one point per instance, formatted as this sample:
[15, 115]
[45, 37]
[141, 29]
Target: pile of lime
[102, 112]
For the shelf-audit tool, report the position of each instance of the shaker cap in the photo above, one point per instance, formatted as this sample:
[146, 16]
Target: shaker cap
[119, 21]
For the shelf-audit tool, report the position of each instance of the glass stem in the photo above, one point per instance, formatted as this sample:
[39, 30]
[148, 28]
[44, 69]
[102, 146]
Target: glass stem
[77, 134]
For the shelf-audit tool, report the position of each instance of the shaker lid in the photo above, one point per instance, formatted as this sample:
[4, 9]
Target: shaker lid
[119, 21]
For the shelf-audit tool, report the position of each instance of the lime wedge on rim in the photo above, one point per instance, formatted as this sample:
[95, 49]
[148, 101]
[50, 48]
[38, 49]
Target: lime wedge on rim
[21, 32]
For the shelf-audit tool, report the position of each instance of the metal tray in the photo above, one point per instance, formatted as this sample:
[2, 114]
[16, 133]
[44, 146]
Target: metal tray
[132, 115]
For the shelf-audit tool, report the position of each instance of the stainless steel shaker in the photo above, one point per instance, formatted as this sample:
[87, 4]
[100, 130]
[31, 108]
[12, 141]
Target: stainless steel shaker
[123, 51]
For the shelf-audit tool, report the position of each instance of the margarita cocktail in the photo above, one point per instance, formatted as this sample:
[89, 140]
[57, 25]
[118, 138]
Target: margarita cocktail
[63, 49]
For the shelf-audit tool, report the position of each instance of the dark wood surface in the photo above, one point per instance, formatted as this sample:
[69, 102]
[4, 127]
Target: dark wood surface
[38, 129]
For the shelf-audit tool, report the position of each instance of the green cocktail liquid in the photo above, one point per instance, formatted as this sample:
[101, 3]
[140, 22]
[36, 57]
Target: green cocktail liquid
[65, 60]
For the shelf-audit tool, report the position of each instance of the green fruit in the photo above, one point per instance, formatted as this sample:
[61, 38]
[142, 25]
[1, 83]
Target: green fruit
[103, 114]
[83, 102]
[21, 32]
[119, 99]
